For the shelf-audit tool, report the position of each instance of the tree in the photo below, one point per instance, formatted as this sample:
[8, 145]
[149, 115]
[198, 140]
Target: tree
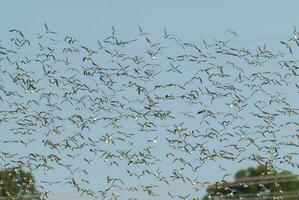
[15, 183]
[257, 182]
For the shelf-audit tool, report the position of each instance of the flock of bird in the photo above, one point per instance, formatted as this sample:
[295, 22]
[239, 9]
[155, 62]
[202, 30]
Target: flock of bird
[142, 117]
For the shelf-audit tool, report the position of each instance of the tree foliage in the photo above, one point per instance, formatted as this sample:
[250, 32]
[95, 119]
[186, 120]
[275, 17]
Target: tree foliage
[15, 183]
[257, 182]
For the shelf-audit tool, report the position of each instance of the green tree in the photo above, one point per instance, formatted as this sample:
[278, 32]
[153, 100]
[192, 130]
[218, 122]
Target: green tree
[256, 183]
[17, 184]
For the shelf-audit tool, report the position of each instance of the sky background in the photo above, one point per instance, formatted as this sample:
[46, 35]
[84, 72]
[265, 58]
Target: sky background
[255, 21]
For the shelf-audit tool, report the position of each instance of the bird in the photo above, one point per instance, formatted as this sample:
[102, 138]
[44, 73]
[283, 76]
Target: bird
[131, 107]
[141, 33]
[232, 32]
[287, 46]
[47, 29]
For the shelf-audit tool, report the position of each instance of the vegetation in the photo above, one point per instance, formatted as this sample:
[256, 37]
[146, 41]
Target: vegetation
[17, 184]
[257, 182]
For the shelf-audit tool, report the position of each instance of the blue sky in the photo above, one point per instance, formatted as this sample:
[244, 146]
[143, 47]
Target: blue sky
[256, 22]
[252, 19]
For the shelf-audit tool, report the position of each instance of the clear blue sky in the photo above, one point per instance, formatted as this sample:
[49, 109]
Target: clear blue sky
[252, 19]
[255, 21]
